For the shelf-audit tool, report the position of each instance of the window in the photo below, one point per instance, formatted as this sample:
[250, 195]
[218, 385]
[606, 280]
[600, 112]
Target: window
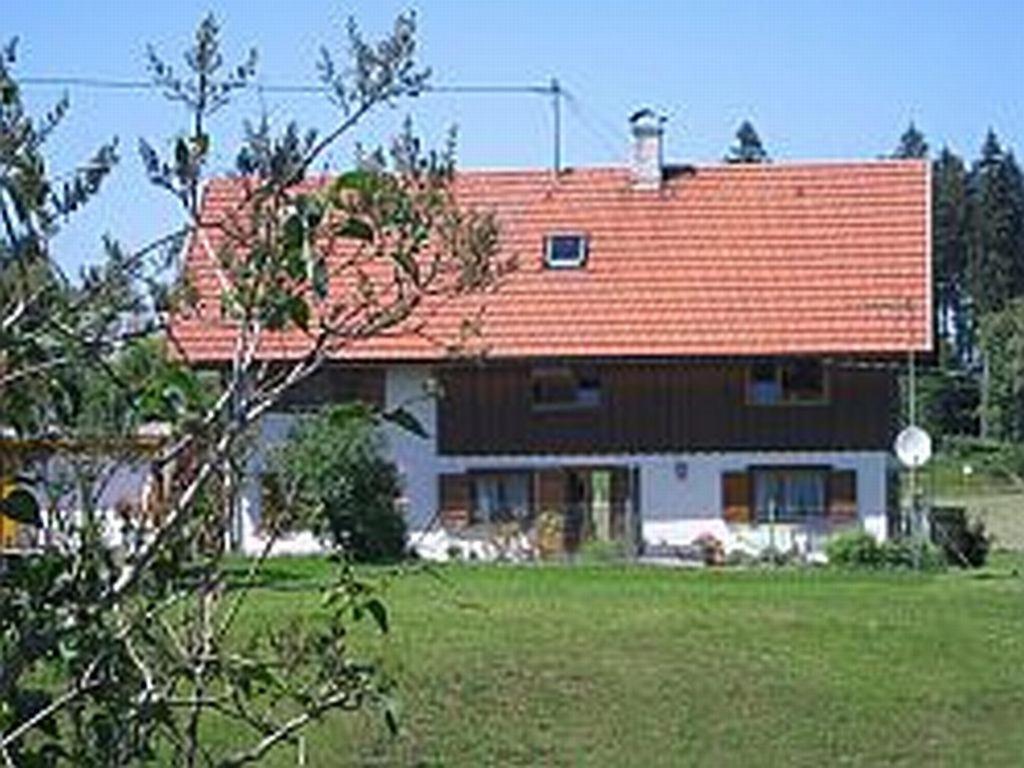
[565, 388]
[787, 383]
[790, 494]
[501, 498]
[765, 387]
[565, 251]
[803, 381]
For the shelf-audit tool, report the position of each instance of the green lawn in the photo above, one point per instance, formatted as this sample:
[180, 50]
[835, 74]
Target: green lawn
[989, 493]
[615, 666]
[1003, 515]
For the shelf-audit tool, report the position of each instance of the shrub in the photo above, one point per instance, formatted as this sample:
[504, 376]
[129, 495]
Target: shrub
[854, 549]
[964, 544]
[594, 551]
[858, 549]
[910, 554]
[338, 481]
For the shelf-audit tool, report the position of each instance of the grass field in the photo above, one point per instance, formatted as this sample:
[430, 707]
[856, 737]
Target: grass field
[1003, 515]
[617, 666]
[995, 497]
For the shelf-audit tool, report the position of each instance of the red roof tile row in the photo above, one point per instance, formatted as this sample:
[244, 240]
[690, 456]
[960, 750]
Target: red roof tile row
[829, 258]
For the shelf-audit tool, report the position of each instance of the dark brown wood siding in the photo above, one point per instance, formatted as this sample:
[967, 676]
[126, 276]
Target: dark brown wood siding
[336, 384]
[660, 407]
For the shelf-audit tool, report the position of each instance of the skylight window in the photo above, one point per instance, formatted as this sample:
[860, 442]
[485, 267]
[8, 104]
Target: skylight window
[565, 251]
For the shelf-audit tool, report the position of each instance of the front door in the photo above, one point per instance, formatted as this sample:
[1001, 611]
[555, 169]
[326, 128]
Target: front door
[601, 528]
[577, 508]
[595, 505]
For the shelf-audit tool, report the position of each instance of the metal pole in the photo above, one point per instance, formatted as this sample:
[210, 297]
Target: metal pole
[556, 105]
[912, 419]
[913, 387]
[916, 522]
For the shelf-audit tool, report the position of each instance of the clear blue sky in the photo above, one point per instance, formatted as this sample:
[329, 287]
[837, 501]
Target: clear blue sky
[819, 79]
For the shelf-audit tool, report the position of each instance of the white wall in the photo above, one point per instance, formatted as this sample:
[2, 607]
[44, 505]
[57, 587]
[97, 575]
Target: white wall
[676, 506]
[274, 429]
[410, 387]
[676, 509]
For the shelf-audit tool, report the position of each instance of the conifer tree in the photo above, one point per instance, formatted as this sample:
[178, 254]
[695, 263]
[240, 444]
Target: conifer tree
[949, 250]
[912, 144]
[748, 147]
[995, 258]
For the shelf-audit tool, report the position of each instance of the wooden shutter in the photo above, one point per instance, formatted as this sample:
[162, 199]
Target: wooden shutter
[551, 487]
[736, 497]
[456, 500]
[551, 497]
[842, 495]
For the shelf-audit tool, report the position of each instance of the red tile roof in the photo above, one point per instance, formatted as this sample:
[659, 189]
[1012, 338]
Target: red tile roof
[725, 260]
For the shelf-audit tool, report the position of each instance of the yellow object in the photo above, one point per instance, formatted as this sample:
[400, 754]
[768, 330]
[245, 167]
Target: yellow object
[8, 527]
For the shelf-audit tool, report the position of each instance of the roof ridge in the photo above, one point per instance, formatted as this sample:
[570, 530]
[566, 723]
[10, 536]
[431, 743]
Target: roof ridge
[533, 171]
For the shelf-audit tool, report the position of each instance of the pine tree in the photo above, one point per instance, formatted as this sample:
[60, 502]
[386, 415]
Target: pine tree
[949, 250]
[995, 258]
[912, 144]
[1015, 181]
[748, 147]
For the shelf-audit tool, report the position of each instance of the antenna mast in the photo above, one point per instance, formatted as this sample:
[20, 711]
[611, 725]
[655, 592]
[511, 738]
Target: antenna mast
[556, 106]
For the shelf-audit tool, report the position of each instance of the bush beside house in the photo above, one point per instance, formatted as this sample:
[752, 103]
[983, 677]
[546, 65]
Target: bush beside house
[858, 549]
[334, 474]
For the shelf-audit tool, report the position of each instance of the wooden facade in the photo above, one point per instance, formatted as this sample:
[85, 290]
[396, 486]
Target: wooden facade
[334, 384]
[660, 407]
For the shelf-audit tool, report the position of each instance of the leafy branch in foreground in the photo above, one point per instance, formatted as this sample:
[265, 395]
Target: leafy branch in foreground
[119, 638]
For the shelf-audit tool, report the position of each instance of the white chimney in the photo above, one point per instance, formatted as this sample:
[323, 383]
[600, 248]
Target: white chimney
[648, 159]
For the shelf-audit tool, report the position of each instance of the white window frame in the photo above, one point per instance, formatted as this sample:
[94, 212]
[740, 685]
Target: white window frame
[581, 252]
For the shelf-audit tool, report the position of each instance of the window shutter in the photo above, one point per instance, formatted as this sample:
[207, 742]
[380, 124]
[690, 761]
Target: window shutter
[842, 495]
[550, 509]
[551, 490]
[736, 497]
[456, 502]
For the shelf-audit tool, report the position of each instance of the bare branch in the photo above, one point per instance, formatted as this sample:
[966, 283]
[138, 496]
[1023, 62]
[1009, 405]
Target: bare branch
[286, 731]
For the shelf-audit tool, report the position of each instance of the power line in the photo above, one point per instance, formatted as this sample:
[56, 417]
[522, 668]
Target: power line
[611, 139]
[100, 83]
[88, 82]
[552, 89]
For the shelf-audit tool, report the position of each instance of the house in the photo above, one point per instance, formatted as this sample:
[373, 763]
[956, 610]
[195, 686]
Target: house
[683, 350]
[125, 484]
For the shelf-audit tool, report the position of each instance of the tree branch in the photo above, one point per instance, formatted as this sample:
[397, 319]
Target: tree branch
[285, 731]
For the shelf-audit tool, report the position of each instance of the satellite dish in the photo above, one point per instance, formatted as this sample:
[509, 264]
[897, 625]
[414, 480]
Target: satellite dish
[913, 447]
